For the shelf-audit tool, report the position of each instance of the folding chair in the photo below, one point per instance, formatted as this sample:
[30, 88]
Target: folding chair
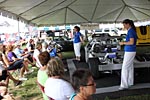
[42, 89]
[14, 72]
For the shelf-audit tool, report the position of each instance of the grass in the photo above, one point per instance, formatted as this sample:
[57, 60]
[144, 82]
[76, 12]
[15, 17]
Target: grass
[30, 91]
[67, 55]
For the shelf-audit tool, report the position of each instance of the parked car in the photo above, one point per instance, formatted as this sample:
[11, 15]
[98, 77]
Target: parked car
[103, 53]
[66, 43]
[111, 31]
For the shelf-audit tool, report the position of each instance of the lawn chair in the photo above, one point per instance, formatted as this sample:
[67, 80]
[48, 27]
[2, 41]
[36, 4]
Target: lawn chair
[14, 72]
[42, 89]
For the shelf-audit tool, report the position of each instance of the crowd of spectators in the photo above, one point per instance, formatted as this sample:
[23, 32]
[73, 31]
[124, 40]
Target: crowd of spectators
[46, 57]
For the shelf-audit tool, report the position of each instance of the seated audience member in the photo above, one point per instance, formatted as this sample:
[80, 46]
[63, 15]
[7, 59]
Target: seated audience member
[30, 46]
[56, 86]
[4, 95]
[42, 76]
[5, 75]
[12, 57]
[58, 49]
[23, 55]
[44, 46]
[54, 50]
[84, 85]
[12, 65]
[38, 49]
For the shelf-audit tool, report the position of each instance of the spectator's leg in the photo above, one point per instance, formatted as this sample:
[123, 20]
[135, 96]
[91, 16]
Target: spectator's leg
[3, 90]
[12, 78]
[28, 62]
[25, 66]
[22, 70]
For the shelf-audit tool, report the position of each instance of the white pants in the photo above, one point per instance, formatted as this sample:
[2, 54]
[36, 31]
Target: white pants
[127, 72]
[77, 47]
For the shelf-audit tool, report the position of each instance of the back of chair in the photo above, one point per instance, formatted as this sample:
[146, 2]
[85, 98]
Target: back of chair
[42, 89]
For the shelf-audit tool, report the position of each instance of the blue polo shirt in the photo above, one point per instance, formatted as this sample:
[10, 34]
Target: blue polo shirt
[131, 34]
[53, 53]
[77, 37]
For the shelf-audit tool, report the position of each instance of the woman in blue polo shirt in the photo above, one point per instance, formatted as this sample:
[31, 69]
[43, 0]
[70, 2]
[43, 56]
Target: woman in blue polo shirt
[77, 42]
[127, 73]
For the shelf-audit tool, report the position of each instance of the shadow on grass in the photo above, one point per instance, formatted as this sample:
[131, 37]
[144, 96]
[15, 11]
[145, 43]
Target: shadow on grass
[28, 90]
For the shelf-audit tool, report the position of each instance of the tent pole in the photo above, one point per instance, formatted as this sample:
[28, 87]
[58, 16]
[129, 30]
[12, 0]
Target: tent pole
[18, 19]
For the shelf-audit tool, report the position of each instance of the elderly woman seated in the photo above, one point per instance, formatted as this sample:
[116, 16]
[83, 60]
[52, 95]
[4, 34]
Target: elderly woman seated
[11, 62]
[56, 86]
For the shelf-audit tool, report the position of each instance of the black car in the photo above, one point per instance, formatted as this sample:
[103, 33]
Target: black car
[66, 43]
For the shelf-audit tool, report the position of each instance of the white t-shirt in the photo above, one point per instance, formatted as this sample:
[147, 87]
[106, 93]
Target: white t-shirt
[35, 55]
[1, 66]
[58, 89]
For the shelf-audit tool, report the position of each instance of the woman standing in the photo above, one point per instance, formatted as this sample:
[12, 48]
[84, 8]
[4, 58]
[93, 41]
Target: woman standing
[127, 73]
[77, 42]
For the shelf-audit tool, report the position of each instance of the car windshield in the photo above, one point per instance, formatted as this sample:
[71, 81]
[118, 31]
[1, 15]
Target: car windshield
[98, 30]
[60, 38]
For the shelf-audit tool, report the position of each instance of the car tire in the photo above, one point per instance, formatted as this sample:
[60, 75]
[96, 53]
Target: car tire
[93, 66]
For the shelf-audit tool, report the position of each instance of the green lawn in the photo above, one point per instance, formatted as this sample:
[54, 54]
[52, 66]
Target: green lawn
[30, 91]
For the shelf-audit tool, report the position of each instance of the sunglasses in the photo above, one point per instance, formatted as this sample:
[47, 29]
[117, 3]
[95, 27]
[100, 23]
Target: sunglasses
[90, 84]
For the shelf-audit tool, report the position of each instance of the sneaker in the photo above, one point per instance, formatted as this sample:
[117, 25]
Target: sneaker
[22, 79]
[30, 71]
[18, 83]
[65, 69]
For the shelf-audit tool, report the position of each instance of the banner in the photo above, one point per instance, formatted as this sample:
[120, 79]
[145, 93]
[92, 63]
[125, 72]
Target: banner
[91, 26]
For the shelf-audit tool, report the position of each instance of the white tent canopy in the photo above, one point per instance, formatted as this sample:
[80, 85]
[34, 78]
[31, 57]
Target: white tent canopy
[49, 12]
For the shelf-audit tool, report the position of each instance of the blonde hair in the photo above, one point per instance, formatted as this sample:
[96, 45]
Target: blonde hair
[38, 44]
[9, 48]
[55, 67]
